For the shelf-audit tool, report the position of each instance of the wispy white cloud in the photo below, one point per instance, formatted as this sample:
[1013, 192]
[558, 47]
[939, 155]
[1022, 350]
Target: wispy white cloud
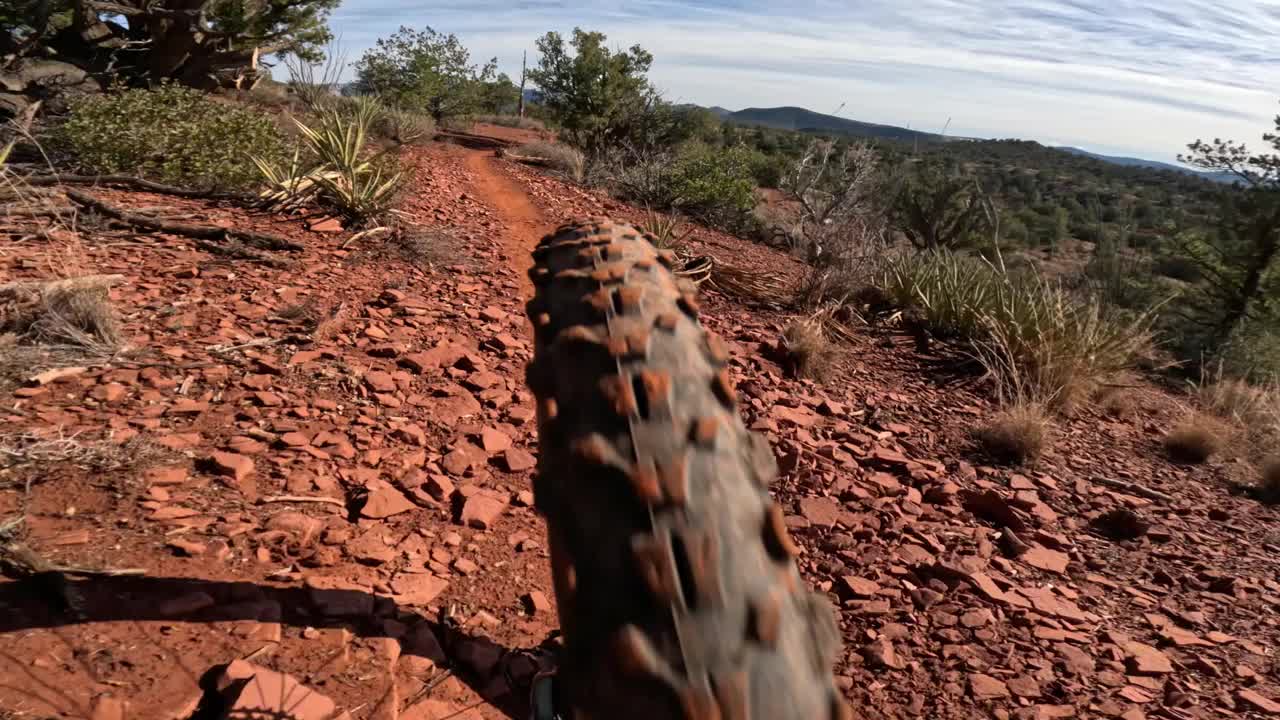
[1116, 76]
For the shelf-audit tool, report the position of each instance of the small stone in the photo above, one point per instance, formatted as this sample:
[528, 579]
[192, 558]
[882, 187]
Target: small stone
[518, 460]
[325, 225]
[417, 588]
[185, 604]
[985, 687]
[384, 502]
[231, 465]
[175, 475]
[1143, 659]
[494, 441]
[859, 587]
[1045, 559]
[465, 566]
[977, 618]
[481, 510]
[379, 381]
[881, 654]
[1257, 702]
[537, 603]
[188, 548]
[820, 511]
[439, 487]
[260, 692]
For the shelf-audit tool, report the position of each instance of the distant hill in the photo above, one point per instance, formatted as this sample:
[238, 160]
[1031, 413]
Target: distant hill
[1221, 177]
[794, 118]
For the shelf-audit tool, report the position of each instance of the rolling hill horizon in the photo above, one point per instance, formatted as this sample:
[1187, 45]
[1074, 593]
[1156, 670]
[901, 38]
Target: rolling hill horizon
[803, 120]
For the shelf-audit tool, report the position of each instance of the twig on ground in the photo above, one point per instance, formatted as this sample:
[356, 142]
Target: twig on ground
[1133, 489]
[261, 241]
[257, 342]
[135, 183]
[302, 499]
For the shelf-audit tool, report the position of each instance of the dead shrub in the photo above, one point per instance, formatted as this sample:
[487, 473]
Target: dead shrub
[38, 453]
[55, 323]
[422, 246]
[73, 315]
[1017, 435]
[806, 352]
[1197, 439]
[1269, 486]
[560, 158]
[1117, 403]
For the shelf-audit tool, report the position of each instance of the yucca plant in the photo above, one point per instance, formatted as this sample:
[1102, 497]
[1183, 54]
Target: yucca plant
[289, 185]
[360, 187]
[342, 173]
[664, 230]
[1041, 343]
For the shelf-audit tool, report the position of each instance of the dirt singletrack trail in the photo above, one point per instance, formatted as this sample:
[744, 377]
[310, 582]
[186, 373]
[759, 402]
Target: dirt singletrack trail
[507, 198]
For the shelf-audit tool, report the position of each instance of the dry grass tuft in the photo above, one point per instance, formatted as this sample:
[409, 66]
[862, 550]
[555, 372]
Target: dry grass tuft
[1117, 403]
[67, 313]
[561, 158]
[1017, 435]
[806, 351]
[1197, 439]
[418, 245]
[38, 453]
[1241, 402]
[58, 323]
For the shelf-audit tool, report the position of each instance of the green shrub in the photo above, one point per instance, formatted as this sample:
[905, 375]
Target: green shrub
[404, 127]
[171, 134]
[714, 183]
[1040, 342]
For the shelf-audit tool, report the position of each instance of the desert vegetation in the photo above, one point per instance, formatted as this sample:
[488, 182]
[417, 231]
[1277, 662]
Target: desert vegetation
[1052, 272]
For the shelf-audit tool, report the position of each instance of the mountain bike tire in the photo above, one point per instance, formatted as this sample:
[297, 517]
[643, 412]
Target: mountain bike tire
[674, 574]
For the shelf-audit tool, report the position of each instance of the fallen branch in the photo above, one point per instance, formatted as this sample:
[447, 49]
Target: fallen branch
[525, 159]
[237, 251]
[135, 183]
[37, 287]
[302, 499]
[253, 239]
[1134, 489]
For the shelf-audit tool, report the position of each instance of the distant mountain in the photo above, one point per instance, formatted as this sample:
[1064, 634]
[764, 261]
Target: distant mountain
[794, 118]
[1221, 177]
[719, 111]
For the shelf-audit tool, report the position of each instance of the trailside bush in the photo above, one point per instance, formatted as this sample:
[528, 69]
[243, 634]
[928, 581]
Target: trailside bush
[714, 183]
[171, 134]
[1039, 341]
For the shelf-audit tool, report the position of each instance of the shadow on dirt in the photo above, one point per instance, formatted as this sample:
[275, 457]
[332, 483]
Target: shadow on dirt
[499, 674]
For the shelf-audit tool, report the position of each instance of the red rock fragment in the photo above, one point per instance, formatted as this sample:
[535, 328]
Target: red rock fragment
[385, 501]
[1143, 659]
[1045, 559]
[237, 467]
[1253, 701]
[537, 603]
[985, 687]
[481, 510]
[254, 691]
[519, 460]
[494, 441]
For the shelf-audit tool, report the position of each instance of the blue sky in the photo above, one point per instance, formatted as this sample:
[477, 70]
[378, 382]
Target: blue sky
[1112, 76]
